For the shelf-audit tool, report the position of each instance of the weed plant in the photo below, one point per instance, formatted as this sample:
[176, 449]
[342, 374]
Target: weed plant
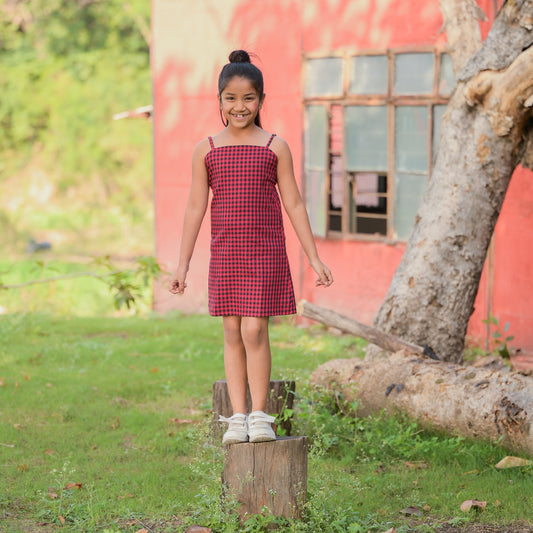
[104, 426]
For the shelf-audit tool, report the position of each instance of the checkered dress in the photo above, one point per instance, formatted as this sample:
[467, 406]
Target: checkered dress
[249, 271]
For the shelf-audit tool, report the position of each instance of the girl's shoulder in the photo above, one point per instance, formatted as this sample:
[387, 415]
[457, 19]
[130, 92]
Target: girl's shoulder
[279, 146]
[202, 148]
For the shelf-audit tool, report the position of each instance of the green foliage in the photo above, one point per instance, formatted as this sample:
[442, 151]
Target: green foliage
[499, 344]
[74, 288]
[66, 66]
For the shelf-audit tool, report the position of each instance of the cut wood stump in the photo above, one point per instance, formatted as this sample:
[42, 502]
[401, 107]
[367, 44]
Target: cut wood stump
[271, 475]
[280, 397]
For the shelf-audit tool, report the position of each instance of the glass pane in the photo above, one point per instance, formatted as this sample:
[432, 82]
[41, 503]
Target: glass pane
[413, 73]
[446, 76]
[315, 194]
[409, 191]
[411, 138]
[323, 76]
[369, 75]
[316, 137]
[438, 113]
[365, 137]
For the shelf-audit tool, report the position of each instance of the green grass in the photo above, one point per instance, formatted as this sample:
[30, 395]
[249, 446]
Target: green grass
[107, 402]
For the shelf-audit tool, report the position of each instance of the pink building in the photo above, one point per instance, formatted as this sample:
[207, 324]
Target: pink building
[358, 90]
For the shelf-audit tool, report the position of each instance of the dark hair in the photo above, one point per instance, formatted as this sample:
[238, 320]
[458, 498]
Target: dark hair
[240, 65]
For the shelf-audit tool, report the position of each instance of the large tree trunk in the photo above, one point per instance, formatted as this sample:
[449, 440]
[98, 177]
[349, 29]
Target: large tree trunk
[468, 401]
[486, 132]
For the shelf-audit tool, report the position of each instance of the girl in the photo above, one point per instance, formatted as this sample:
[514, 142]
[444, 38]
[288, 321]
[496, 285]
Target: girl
[249, 277]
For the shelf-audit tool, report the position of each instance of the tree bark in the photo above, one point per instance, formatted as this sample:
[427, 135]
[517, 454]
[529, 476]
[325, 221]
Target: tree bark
[468, 401]
[484, 136]
[267, 474]
[462, 30]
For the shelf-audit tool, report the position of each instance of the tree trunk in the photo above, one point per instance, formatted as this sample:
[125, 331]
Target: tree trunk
[469, 401]
[462, 30]
[485, 133]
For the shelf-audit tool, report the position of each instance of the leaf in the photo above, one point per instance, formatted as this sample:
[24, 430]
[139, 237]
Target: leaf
[468, 504]
[416, 465]
[411, 510]
[62, 520]
[53, 495]
[391, 530]
[70, 486]
[510, 461]
[181, 421]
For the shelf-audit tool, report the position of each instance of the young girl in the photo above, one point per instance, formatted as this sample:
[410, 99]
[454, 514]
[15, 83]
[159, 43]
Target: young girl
[249, 277]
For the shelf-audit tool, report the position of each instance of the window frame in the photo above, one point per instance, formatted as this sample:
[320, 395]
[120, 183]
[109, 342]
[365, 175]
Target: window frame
[391, 101]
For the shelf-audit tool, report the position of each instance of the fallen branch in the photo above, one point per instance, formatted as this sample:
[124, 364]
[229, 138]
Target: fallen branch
[59, 278]
[386, 341]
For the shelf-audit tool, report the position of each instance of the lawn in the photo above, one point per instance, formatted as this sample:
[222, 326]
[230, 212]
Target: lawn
[104, 426]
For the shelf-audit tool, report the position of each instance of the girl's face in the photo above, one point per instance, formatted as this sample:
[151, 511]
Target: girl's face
[240, 103]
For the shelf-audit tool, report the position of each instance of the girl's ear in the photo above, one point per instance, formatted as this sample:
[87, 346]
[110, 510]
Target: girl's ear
[262, 101]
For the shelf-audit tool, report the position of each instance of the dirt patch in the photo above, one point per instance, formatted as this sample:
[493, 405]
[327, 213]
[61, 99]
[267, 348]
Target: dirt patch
[485, 528]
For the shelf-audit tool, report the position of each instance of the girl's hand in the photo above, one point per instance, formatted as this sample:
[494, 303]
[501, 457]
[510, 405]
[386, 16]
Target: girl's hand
[325, 279]
[177, 283]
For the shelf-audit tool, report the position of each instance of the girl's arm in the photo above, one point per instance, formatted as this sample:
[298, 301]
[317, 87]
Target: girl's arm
[194, 214]
[295, 207]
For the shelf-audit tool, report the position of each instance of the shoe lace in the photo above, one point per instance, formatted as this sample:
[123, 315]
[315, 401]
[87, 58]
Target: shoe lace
[260, 417]
[230, 419]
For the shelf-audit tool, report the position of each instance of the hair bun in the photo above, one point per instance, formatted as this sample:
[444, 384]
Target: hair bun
[239, 56]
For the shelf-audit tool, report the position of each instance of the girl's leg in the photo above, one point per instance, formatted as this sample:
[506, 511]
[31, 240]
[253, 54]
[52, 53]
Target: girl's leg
[254, 331]
[235, 363]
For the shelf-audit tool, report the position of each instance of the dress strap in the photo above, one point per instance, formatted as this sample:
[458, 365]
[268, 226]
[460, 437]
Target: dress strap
[270, 140]
[211, 143]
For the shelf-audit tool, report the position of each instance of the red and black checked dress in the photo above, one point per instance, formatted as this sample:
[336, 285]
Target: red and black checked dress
[249, 271]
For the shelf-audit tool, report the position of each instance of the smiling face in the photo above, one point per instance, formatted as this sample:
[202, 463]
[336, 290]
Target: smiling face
[240, 102]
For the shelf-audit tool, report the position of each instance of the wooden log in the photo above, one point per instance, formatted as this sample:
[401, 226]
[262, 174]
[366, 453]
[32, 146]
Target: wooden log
[469, 401]
[280, 397]
[386, 341]
[271, 475]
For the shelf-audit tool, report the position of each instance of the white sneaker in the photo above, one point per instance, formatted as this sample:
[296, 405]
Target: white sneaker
[237, 429]
[259, 427]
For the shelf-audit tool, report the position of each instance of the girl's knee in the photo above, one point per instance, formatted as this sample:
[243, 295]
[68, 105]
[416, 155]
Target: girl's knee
[232, 330]
[254, 330]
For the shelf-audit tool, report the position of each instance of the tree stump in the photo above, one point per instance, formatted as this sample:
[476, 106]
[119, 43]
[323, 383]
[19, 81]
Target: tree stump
[280, 397]
[267, 475]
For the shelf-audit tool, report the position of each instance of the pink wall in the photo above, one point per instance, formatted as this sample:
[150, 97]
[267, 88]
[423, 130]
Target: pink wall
[191, 43]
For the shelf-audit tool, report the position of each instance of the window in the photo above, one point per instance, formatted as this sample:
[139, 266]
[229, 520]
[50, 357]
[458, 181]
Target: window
[372, 124]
